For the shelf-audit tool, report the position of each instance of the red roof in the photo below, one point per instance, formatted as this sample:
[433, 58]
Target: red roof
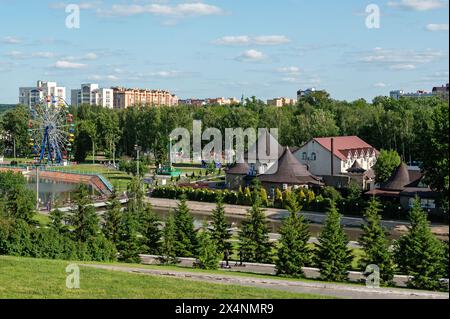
[343, 145]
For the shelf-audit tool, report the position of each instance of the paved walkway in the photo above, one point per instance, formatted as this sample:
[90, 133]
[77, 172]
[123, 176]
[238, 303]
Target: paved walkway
[317, 288]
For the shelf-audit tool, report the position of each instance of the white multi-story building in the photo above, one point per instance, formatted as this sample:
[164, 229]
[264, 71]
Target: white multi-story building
[281, 101]
[92, 94]
[331, 156]
[48, 91]
[397, 94]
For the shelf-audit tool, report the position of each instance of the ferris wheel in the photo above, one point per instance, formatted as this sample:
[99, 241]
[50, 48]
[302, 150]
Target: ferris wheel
[51, 130]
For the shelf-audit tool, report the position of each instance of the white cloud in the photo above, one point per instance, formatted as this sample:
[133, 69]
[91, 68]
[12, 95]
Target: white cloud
[180, 10]
[11, 40]
[418, 5]
[234, 40]
[91, 56]
[248, 40]
[380, 85]
[271, 40]
[97, 77]
[396, 59]
[403, 67]
[251, 56]
[62, 64]
[82, 5]
[292, 70]
[46, 55]
[437, 27]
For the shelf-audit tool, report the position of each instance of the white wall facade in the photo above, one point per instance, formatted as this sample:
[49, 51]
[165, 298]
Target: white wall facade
[31, 96]
[91, 94]
[318, 159]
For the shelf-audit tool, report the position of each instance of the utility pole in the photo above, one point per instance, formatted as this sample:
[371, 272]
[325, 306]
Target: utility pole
[37, 188]
[137, 149]
[14, 148]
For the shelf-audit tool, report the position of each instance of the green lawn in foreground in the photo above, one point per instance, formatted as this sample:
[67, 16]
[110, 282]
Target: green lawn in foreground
[25, 278]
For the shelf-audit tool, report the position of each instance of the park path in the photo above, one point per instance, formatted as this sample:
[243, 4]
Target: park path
[317, 288]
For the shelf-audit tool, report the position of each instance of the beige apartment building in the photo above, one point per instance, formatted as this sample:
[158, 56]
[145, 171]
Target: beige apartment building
[124, 98]
[281, 101]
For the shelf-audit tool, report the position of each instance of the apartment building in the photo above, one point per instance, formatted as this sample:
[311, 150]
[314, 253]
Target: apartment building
[281, 101]
[43, 91]
[124, 98]
[92, 94]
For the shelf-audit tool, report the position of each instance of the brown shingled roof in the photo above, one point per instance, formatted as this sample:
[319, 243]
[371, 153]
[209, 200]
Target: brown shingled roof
[398, 180]
[290, 171]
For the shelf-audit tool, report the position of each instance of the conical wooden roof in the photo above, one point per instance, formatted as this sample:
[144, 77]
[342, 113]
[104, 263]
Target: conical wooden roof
[356, 168]
[290, 171]
[398, 180]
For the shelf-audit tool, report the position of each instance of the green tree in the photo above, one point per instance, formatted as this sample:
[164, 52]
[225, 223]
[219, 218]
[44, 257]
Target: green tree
[207, 255]
[17, 200]
[293, 252]
[129, 246]
[375, 243]
[220, 232]
[386, 163]
[333, 257]
[112, 218]
[58, 219]
[168, 246]
[84, 219]
[186, 240]
[254, 243]
[435, 153]
[420, 254]
[149, 229]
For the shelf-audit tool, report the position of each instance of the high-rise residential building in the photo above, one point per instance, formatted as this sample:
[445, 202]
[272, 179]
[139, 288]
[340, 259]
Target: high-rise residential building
[397, 94]
[304, 93]
[281, 101]
[124, 98]
[47, 91]
[92, 94]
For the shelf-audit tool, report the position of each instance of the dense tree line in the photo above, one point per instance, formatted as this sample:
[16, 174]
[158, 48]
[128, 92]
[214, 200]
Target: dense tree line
[417, 129]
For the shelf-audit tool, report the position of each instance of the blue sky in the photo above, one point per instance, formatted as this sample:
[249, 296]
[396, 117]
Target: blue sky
[215, 48]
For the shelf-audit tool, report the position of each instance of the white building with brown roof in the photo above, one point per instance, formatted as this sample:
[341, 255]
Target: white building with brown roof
[333, 156]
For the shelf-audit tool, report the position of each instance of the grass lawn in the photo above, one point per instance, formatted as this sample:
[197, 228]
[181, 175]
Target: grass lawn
[28, 278]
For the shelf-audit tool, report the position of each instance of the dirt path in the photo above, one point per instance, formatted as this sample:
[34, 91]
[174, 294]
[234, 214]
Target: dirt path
[325, 289]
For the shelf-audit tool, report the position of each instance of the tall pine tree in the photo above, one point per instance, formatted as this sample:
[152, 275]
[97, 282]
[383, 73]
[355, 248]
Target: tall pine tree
[186, 238]
[375, 243]
[207, 255]
[220, 232]
[129, 245]
[420, 254]
[254, 243]
[293, 253]
[112, 219]
[333, 257]
[84, 219]
[168, 249]
[149, 229]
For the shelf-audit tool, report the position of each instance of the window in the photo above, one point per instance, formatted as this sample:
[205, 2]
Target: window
[313, 156]
[304, 156]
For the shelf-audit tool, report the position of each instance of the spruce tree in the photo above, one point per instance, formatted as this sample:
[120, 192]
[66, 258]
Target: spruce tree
[58, 218]
[149, 229]
[254, 243]
[84, 219]
[375, 243]
[333, 257]
[112, 219]
[135, 196]
[129, 245]
[168, 249]
[186, 240]
[220, 232]
[207, 255]
[293, 253]
[419, 253]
